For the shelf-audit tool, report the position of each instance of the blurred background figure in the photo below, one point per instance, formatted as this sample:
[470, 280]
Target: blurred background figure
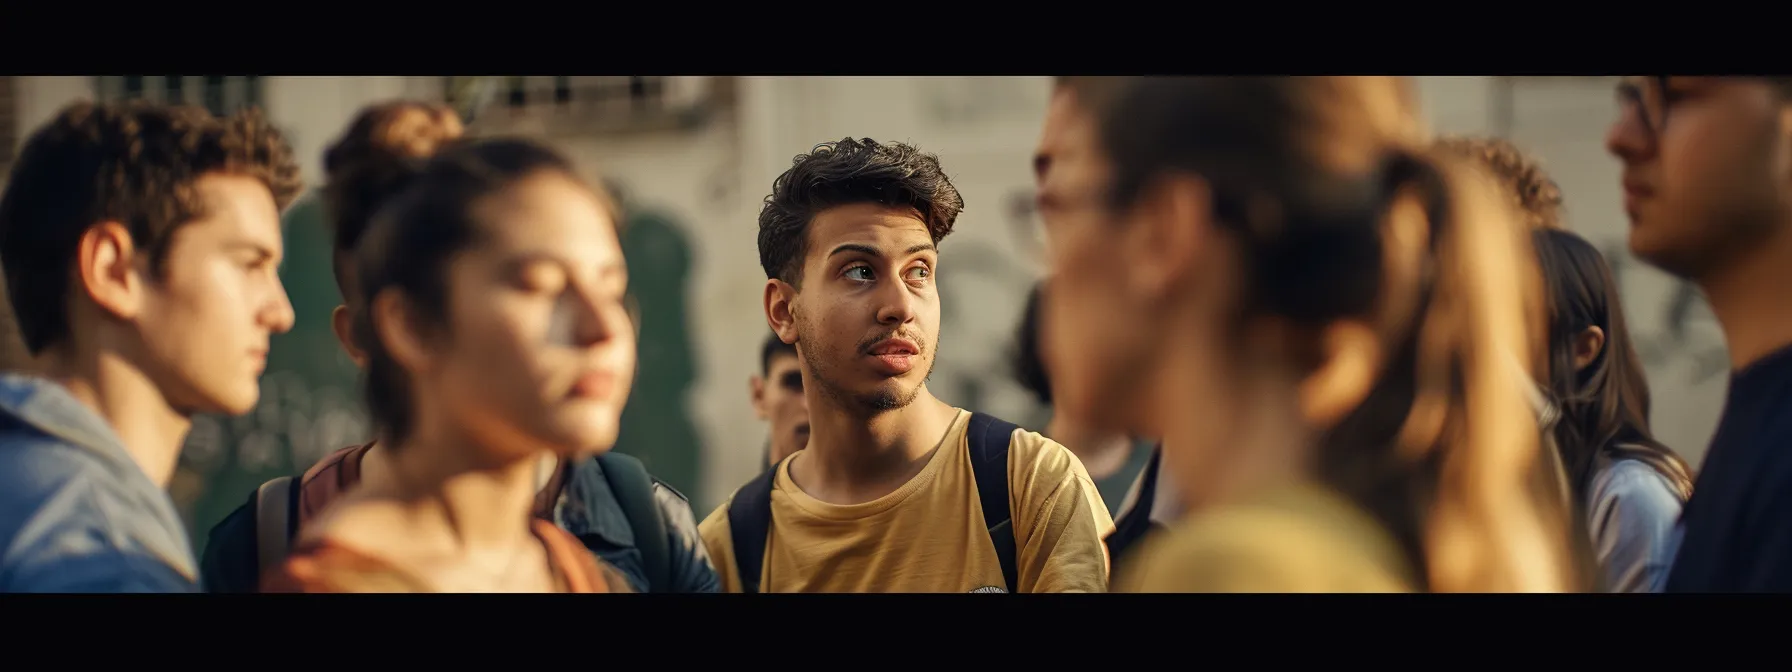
[1260, 304]
[778, 399]
[1707, 179]
[1629, 486]
[1115, 461]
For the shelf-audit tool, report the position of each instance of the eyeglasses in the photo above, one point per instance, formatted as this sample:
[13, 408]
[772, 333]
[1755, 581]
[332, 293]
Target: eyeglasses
[1645, 97]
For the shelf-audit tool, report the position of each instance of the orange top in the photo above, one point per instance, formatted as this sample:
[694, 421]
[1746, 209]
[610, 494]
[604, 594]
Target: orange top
[323, 566]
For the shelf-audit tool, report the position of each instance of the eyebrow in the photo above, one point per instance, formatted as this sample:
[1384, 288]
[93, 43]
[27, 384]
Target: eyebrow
[874, 252]
[259, 249]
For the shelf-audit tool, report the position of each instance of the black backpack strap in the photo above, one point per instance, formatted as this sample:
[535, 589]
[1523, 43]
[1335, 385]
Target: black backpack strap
[988, 438]
[633, 486]
[749, 526]
[1135, 522]
[276, 520]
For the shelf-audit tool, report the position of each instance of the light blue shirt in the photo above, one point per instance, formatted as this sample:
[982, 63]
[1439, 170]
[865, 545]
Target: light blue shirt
[1634, 512]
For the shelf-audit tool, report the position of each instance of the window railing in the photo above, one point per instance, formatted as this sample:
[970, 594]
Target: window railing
[219, 94]
[574, 104]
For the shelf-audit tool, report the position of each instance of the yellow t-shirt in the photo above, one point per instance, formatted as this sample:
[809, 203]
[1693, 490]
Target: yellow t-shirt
[1297, 539]
[928, 536]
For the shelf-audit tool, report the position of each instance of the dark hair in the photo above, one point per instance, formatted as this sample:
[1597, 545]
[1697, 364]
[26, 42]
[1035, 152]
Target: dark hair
[1605, 406]
[424, 217]
[1029, 364]
[773, 347]
[135, 163]
[1533, 192]
[1314, 178]
[363, 175]
[844, 173]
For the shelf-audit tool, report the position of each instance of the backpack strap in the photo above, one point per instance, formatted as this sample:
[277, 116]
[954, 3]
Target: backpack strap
[988, 438]
[276, 518]
[1135, 522]
[750, 526]
[633, 486]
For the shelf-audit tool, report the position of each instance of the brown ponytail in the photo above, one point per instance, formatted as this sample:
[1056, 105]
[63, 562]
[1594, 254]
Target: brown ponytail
[1496, 520]
[1339, 216]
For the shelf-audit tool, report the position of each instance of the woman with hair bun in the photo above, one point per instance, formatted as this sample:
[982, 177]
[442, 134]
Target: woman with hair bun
[492, 327]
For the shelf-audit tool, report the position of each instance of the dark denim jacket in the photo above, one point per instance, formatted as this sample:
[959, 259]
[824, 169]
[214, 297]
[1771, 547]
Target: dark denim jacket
[77, 514]
[588, 509]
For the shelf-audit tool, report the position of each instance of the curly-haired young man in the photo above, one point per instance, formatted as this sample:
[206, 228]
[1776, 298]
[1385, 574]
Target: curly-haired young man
[141, 245]
[897, 491]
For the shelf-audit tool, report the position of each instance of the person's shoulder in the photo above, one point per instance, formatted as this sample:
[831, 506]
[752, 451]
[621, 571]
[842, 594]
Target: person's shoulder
[49, 488]
[1267, 549]
[62, 532]
[714, 526]
[1034, 452]
[1629, 477]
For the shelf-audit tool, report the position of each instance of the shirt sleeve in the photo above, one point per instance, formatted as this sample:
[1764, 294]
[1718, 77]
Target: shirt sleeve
[1056, 504]
[1633, 517]
[691, 569]
[719, 544]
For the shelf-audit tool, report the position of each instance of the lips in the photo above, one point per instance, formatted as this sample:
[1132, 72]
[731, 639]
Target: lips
[893, 356]
[595, 384]
[894, 346]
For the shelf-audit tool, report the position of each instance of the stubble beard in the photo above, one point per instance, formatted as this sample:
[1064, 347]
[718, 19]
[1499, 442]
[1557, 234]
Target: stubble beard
[872, 403]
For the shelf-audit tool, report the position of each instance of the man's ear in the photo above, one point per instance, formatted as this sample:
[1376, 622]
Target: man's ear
[779, 296]
[108, 269]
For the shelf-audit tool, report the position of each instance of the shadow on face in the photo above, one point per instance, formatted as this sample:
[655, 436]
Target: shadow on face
[1706, 166]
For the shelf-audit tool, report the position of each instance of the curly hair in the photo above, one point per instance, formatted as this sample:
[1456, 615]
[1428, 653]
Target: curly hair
[1521, 177]
[844, 173]
[136, 163]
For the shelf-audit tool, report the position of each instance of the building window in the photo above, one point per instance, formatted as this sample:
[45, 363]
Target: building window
[637, 92]
[219, 94]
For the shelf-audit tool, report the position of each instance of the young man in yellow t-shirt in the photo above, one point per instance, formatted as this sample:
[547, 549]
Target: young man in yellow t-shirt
[890, 494]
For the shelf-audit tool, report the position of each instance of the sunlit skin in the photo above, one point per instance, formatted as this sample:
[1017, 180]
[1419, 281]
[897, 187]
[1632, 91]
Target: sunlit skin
[535, 361]
[778, 398]
[1707, 175]
[865, 323]
[149, 349]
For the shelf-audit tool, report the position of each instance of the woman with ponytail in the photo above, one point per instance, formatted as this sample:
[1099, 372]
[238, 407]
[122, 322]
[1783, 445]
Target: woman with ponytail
[485, 286]
[1269, 273]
